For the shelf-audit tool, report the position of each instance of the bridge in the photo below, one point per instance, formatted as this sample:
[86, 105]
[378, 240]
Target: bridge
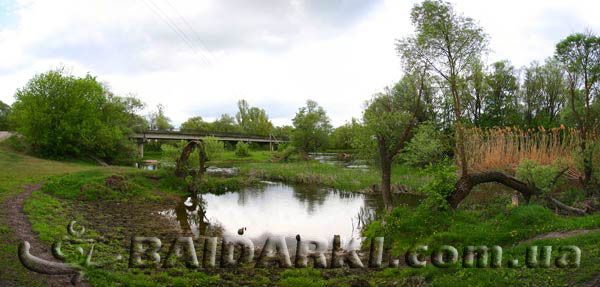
[143, 137]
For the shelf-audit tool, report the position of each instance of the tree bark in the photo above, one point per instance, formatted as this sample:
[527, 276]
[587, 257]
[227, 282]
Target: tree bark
[386, 171]
[465, 184]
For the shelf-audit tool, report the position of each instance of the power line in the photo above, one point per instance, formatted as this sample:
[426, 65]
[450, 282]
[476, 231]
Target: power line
[165, 18]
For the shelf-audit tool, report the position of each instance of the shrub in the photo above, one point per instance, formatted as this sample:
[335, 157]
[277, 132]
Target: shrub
[425, 147]
[540, 175]
[444, 178]
[242, 150]
[213, 147]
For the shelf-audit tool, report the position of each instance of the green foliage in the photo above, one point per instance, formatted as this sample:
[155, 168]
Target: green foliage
[213, 147]
[4, 116]
[60, 115]
[311, 127]
[540, 175]
[159, 121]
[195, 124]
[253, 120]
[94, 185]
[242, 149]
[425, 147]
[302, 277]
[501, 102]
[441, 186]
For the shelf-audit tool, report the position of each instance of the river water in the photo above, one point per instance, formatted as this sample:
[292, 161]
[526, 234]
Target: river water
[278, 209]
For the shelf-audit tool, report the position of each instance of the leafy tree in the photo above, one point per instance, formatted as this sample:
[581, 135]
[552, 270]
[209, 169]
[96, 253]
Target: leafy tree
[389, 118]
[343, 135]
[476, 90]
[281, 132]
[311, 127]
[580, 55]
[133, 106]
[502, 101]
[159, 121]
[253, 120]
[195, 124]
[446, 42]
[532, 94]
[554, 90]
[60, 115]
[225, 124]
[4, 116]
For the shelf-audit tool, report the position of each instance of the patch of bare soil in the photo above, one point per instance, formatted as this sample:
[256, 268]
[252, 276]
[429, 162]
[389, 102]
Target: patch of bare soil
[21, 228]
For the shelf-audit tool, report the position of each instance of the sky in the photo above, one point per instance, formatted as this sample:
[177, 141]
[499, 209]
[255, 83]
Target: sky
[199, 57]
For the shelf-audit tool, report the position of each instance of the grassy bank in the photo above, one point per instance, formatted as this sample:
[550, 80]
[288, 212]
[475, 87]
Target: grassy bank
[333, 176]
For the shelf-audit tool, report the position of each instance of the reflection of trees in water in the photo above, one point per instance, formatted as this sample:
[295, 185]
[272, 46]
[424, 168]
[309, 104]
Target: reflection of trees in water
[311, 195]
[190, 212]
[250, 193]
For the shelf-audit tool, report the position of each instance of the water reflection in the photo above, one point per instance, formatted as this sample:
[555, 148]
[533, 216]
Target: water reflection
[316, 213]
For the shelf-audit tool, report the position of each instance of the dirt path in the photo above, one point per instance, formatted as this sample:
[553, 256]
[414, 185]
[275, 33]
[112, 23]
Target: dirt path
[4, 135]
[21, 228]
[553, 235]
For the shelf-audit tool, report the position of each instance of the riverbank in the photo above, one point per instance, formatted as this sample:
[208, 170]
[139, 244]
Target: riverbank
[117, 202]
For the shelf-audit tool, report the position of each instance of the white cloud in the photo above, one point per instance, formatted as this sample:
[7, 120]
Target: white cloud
[275, 54]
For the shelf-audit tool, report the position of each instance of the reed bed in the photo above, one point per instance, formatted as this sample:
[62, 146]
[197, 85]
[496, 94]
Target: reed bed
[504, 148]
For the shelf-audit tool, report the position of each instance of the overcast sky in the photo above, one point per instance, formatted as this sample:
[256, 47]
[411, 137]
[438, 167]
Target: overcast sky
[200, 57]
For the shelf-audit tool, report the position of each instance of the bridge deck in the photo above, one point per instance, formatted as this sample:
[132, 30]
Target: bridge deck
[197, 136]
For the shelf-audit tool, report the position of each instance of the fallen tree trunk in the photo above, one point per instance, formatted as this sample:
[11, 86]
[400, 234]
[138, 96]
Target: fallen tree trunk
[465, 184]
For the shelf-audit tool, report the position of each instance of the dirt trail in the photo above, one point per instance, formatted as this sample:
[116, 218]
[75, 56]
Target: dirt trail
[553, 235]
[4, 135]
[21, 228]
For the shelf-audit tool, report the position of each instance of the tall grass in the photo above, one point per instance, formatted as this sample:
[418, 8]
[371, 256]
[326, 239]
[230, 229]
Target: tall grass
[504, 148]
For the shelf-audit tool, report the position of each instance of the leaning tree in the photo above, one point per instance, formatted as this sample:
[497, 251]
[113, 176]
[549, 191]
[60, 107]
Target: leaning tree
[447, 43]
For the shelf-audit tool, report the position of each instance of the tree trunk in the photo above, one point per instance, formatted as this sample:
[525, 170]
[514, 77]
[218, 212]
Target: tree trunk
[465, 184]
[386, 170]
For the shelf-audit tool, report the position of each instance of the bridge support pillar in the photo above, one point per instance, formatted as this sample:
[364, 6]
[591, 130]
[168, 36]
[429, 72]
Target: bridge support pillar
[140, 144]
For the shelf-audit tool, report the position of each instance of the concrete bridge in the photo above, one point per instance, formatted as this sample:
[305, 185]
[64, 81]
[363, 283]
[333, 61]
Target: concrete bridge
[143, 137]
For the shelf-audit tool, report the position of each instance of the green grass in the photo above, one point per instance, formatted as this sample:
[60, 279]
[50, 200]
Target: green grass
[313, 172]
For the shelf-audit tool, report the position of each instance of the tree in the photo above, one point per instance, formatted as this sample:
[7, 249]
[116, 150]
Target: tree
[501, 101]
[60, 115]
[225, 124]
[133, 106]
[311, 127]
[532, 94]
[580, 55]
[342, 136]
[554, 88]
[447, 42]
[253, 120]
[195, 124]
[4, 116]
[389, 118]
[159, 121]
[476, 88]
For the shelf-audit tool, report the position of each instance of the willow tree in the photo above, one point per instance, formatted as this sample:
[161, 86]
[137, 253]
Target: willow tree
[390, 117]
[447, 43]
[580, 55]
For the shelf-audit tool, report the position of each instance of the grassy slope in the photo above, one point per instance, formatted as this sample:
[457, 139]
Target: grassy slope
[15, 170]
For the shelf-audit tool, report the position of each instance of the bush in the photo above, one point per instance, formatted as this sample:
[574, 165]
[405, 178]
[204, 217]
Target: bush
[425, 147]
[242, 150]
[62, 116]
[540, 175]
[441, 186]
[213, 147]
